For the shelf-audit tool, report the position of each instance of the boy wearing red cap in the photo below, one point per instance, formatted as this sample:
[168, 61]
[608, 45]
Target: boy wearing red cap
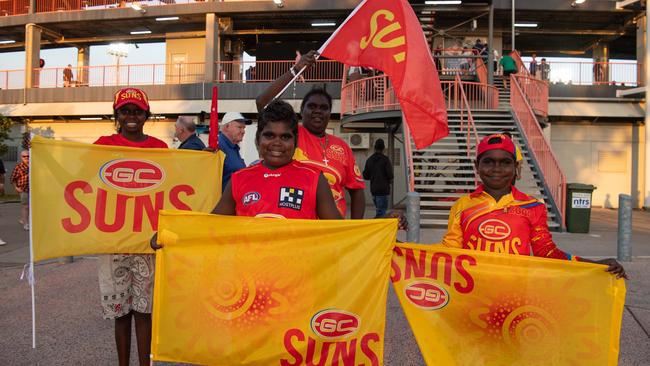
[498, 218]
[126, 280]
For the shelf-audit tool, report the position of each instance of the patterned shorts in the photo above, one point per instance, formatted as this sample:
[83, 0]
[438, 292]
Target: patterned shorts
[126, 283]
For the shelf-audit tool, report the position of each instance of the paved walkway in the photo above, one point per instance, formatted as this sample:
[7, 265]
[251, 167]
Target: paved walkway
[71, 331]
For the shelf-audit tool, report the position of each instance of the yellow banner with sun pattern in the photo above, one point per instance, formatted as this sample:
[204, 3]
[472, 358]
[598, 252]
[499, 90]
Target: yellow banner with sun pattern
[474, 308]
[261, 291]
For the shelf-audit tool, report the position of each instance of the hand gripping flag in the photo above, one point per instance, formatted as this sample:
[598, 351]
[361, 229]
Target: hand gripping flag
[386, 35]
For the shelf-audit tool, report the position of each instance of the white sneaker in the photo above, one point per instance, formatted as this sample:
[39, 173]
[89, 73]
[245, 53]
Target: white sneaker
[26, 227]
[2, 242]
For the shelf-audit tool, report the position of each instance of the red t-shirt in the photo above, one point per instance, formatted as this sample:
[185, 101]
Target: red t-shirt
[288, 192]
[119, 140]
[332, 156]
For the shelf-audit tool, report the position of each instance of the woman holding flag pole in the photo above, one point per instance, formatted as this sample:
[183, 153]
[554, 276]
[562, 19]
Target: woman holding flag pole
[316, 147]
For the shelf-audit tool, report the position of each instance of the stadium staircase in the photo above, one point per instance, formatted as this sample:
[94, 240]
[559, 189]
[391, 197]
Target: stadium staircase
[443, 171]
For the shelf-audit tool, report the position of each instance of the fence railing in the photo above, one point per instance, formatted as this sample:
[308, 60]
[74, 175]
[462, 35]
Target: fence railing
[536, 92]
[548, 164]
[376, 93]
[162, 74]
[595, 73]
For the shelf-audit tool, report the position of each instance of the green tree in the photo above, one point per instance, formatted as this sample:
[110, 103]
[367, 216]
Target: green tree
[5, 127]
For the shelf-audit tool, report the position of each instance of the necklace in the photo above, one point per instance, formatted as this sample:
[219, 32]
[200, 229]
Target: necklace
[324, 147]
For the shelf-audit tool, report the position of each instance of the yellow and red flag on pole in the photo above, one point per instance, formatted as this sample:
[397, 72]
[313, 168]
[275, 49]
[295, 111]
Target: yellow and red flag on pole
[475, 308]
[261, 291]
[94, 199]
[387, 36]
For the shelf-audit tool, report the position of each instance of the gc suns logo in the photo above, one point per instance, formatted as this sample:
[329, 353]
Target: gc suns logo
[291, 198]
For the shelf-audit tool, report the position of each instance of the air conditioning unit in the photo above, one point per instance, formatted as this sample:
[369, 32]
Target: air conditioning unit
[357, 140]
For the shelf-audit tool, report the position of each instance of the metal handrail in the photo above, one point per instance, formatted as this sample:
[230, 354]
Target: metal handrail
[552, 174]
[170, 73]
[536, 92]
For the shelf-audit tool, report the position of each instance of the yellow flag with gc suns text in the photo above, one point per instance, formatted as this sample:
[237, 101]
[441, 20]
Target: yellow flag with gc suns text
[96, 199]
[262, 291]
[474, 308]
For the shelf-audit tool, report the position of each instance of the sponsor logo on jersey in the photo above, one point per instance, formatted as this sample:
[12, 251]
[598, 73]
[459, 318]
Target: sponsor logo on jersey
[334, 323]
[494, 229]
[250, 198]
[291, 198]
[272, 175]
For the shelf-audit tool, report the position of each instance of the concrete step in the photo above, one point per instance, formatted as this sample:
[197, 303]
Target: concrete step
[440, 164]
[428, 187]
[443, 171]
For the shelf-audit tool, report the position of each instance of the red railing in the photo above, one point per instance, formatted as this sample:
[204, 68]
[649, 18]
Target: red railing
[267, 71]
[536, 92]
[482, 72]
[14, 7]
[377, 94]
[537, 144]
[162, 74]
[521, 67]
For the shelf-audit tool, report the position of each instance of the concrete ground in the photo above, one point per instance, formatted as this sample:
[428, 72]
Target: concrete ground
[70, 329]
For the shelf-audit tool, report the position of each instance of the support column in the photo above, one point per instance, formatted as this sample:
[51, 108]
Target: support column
[83, 61]
[491, 48]
[601, 55]
[646, 66]
[32, 55]
[212, 48]
[512, 29]
[640, 50]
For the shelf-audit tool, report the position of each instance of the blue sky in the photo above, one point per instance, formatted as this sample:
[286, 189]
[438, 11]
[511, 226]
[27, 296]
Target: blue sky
[147, 53]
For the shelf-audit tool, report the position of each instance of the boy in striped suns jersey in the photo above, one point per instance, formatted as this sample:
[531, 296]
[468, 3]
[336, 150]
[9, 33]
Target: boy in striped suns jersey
[498, 218]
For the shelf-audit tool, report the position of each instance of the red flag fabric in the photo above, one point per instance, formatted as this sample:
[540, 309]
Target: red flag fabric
[213, 137]
[386, 35]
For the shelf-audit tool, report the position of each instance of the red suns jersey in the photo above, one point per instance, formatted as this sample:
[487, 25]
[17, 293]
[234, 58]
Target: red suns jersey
[287, 192]
[514, 225]
[119, 140]
[332, 156]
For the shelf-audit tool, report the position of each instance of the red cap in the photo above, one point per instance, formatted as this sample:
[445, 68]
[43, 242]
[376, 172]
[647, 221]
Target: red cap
[133, 96]
[500, 142]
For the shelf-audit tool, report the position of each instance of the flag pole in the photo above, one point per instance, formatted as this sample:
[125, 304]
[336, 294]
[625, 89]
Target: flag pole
[290, 82]
[30, 273]
[213, 137]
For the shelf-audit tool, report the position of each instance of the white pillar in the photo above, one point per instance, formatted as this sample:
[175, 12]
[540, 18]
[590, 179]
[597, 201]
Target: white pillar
[646, 65]
[32, 54]
[212, 47]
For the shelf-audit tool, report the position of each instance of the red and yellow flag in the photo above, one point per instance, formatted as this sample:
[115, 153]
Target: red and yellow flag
[94, 199]
[386, 35]
[475, 308]
[260, 291]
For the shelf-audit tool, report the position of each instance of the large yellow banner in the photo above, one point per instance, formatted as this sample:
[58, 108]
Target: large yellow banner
[93, 199]
[474, 308]
[263, 291]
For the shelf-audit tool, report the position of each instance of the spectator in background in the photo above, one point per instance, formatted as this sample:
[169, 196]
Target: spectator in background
[185, 132]
[437, 52]
[598, 71]
[67, 76]
[533, 65]
[466, 61]
[496, 61]
[544, 69]
[20, 180]
[453, 63]
[379, 171]
[231, 133]
[509, 67]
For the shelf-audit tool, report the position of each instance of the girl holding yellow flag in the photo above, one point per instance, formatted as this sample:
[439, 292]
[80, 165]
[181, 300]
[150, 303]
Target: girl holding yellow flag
[126, 280]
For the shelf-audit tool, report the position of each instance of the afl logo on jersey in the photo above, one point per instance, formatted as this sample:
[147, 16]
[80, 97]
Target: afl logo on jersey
[494, 229]
[250, 198]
